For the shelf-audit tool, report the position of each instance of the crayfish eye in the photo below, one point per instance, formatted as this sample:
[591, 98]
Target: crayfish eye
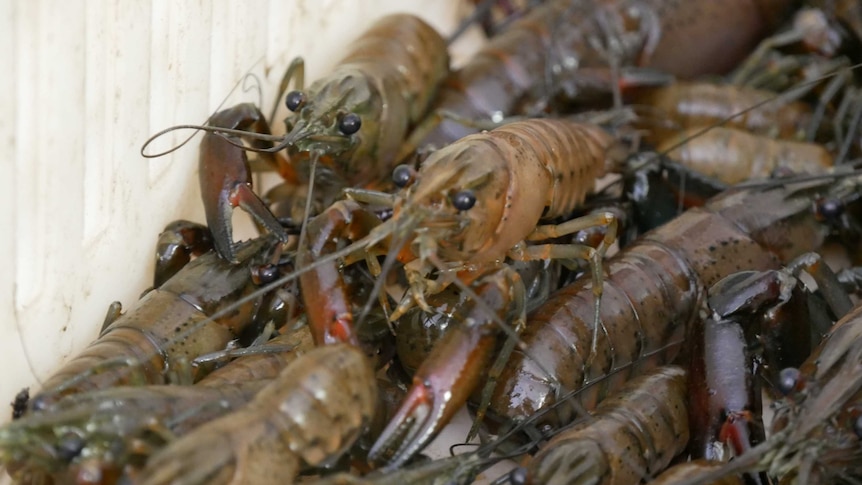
[830, 209]
[787, 380]
[518, 476]
[402, 176]
[267, 273]
[464, 200]
[294, 100]
[69, 446]
[349, 124]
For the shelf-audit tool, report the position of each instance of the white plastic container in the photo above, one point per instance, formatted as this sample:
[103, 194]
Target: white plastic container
[84, 84]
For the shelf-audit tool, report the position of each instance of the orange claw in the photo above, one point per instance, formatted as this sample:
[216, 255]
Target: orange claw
[735, 431]
[225, 177]
[445, 379]
[323, 289]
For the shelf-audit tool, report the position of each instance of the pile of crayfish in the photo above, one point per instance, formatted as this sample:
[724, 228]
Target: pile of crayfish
[602, 236]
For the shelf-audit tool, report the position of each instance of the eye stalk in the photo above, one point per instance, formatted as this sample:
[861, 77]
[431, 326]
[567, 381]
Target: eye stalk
[403, 175]
[518, 476]
[263, 275]
[69, 446]
[830, 208]
[788, 379]
[464, 200]
[294, 100]
[349, 124]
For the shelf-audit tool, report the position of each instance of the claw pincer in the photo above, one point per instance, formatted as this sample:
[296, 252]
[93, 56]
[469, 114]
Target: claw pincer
[225, 177]
[449, 375]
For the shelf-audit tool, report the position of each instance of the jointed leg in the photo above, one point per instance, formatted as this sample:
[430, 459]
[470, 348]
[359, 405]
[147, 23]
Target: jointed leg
[572, 251]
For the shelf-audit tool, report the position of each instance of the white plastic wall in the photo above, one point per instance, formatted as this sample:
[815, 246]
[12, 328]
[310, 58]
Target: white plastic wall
[84, 84]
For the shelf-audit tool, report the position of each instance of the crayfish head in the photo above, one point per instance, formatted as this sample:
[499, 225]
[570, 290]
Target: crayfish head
[42, 448]
[73, 439]
[429, 225]
[333, 118]
[463, 196]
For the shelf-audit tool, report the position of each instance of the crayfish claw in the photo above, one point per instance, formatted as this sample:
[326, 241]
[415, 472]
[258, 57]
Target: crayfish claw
[221, 227]
[440, 387]
[219, 220]
[225, 179]
[245, 198]
[419, 419]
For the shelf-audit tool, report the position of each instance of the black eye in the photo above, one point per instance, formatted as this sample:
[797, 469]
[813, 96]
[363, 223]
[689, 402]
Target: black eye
[464, 200]
[69, 446]
[349, 124]
[518, 476]
[294, 100]
[39, 403]
[830, 209]
[402, 176]
[787, 380]
[267, 273]
[857, 427]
